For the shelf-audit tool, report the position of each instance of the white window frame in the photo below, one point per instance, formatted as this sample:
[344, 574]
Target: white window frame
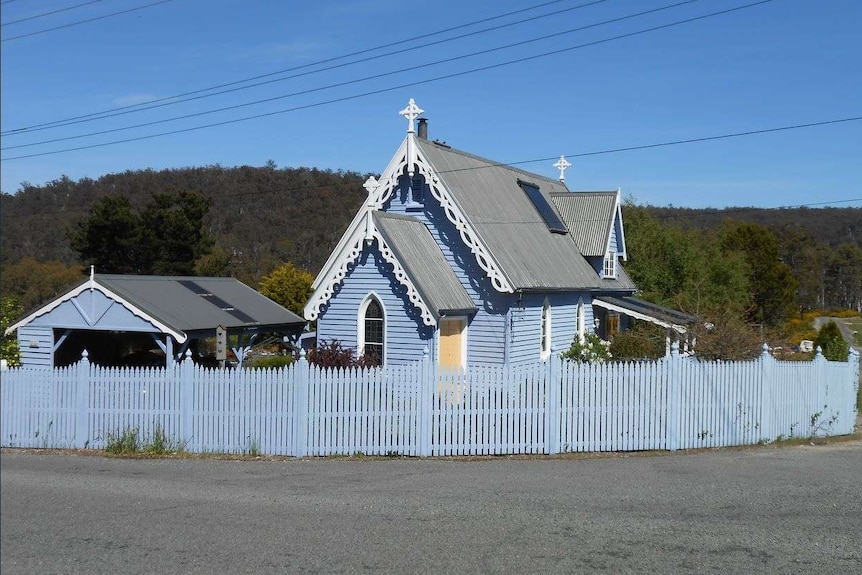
[360, 325]
[609, 265]
[581, 321]
[545, 331]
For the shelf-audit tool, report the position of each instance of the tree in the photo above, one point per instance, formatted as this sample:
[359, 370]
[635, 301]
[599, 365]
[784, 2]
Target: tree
[110, 237]
[36, 283]
[289, 286]
[831, 343]
[172, 227]
[166, 238]
[10, 310]
[771, 283]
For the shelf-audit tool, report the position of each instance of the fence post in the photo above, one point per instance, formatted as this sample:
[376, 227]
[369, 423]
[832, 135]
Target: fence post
[853, 364]
[820, 390]
[552, 400]
[83, 402]
[767, 381]
[300, 406]
[674, 404]
[186, 373]
[426, 399]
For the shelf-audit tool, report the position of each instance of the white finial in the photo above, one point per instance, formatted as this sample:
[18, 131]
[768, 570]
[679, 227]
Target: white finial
[562, 164]
[370, 184]
[92, 272]
[411, 112]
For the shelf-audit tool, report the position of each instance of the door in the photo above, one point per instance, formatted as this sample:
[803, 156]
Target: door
[453, 342]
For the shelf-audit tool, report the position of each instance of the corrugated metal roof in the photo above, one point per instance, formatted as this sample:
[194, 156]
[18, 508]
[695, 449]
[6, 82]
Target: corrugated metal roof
[589, 217]
[532, 257]
[199, 303]
[431, 274]
[661, 313]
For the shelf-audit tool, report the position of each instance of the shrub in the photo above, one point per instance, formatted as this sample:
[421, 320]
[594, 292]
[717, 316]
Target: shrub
[333, 354]
[269, 362]
[832, 343]
[593, 348]
[644, 341]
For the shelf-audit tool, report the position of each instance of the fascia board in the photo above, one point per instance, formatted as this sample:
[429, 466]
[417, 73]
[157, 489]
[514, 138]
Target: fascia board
[94, 285]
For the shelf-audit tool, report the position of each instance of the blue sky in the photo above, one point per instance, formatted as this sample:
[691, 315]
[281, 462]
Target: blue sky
[781, 63]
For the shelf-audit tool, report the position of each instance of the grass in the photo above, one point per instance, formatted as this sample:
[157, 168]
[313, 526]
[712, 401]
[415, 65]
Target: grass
[130, 441]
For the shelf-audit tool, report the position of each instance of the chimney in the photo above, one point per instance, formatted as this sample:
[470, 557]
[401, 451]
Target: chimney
[423, 128]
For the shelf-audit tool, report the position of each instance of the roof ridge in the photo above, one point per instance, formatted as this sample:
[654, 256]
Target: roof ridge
[490, 162]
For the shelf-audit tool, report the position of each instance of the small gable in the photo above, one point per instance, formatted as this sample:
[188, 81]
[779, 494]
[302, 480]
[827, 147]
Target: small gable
[92, 309]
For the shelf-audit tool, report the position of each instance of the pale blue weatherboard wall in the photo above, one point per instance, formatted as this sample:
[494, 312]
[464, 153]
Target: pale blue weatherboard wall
[486, 333]
[91, 309]
[526, 324]
[36, 344]
[405, 335]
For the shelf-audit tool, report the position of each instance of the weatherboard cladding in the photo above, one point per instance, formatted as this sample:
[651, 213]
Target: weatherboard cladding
[417, 252]
[169, 301]
[531, 257]
[486, 333]
[589, 217]
[405, 336]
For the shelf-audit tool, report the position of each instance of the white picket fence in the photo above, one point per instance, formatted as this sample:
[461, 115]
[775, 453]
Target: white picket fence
[551, 407]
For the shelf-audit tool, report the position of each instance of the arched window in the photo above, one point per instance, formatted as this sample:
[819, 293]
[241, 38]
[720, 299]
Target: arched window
[372, 330]
[546, 329]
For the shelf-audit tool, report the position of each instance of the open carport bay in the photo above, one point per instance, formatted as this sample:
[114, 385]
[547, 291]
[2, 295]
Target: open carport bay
[764, 510]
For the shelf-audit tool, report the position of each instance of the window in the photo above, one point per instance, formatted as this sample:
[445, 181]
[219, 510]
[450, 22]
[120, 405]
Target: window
[372, 326]
[609, 270]
[543, 207]
[613, 325]
[546, 330]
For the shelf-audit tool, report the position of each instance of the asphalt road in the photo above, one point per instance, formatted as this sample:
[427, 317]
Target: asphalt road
[766, 510]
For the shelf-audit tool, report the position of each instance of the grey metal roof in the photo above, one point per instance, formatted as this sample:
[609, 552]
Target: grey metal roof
[431, 274]
[664, 314]
[622, 282]
[190, 303]
[589, 217]
[531, 256]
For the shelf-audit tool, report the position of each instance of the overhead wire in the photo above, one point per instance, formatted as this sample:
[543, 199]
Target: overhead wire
[88, 20]
[294, 68]
[411, 68]
[380, 90]
[51, 13]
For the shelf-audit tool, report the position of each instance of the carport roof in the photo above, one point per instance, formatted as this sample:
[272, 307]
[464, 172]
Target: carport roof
[184, 304]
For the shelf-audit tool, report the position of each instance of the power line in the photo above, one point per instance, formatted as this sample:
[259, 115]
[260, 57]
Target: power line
[373, 92]
[609, 151]
[52, 12]
[292, 69]
[180, 98]
[69, 25]
[339, 84]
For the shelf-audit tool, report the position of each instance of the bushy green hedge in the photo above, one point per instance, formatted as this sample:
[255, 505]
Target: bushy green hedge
[269, 361]
[832, 343]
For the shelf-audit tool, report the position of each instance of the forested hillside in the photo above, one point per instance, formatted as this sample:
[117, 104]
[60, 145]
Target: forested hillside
[259, 217]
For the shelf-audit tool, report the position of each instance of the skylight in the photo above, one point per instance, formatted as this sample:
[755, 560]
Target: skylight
[545, 209]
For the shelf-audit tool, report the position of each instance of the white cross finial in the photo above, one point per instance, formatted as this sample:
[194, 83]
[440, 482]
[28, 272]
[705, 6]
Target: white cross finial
[562, 164]
[370, 184]
[411, 112]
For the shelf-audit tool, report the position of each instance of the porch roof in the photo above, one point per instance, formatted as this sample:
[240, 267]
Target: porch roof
[647, 311]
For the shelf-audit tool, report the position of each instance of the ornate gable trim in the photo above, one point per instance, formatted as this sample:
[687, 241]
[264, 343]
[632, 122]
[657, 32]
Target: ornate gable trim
[360, 237]
[361, 228]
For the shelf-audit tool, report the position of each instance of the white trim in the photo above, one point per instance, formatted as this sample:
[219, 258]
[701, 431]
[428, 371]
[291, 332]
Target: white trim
[468, 234]
[637, 315]
[610, 258]
[93, 284]
[350, 245]
[581, 320]
[325, 291]
[621, 239]
[464, 336]
[360, 324]
[546, 333]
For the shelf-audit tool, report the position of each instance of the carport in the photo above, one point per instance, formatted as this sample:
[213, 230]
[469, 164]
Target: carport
[148, 320]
